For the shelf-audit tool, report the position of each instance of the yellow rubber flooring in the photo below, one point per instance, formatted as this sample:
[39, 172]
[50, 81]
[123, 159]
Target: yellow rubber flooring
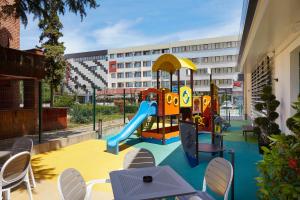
[88, 157]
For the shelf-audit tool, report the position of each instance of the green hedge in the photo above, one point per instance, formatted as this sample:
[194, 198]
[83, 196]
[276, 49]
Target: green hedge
[64, 101]
[83, 113]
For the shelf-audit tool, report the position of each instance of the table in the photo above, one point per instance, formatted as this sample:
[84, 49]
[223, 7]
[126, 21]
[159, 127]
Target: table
[128, 184]
[246, 129]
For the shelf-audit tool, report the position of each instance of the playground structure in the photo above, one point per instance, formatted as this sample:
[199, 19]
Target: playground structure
[204, 109]
[168, 106]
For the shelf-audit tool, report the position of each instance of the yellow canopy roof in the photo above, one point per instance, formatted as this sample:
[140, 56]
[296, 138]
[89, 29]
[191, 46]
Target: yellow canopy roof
[171, 63]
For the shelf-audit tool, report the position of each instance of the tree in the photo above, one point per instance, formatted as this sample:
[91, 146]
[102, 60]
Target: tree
[266, 125]
[48, 12]
[53, 49]
[22, 8]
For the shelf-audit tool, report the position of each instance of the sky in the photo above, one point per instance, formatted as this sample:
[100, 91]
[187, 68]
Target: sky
[125, 23]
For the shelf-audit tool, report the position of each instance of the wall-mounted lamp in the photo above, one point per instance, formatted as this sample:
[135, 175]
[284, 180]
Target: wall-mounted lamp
[276, 79]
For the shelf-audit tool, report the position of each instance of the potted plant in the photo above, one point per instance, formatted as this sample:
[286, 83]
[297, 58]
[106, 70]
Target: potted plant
[265, 125]
[280, 167]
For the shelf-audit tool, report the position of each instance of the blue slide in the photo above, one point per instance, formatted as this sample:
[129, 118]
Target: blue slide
[147, 108]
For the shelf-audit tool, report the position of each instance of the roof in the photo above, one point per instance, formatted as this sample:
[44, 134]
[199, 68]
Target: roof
[248, 12]
[86, 54]
[171, 63]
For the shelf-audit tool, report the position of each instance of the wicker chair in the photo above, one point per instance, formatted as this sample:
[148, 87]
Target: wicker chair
[218, 177]
[14, 172]
[138, 158]
[72, 186]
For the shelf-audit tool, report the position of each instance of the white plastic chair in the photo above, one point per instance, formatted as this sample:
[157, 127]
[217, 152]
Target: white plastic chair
[24, 144]
[14, 172]
[71, 185]
[218, 177]
[138, 158]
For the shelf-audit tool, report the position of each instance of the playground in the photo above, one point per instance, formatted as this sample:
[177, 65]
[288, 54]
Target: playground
[91, 159]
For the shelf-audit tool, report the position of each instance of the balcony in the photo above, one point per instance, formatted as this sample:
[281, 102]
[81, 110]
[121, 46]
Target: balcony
[22, 64]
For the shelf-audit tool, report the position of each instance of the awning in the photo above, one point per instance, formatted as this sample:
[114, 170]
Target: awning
[171, 63]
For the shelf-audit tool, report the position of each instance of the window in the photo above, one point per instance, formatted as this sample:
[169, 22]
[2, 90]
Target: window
[217, 58]
[138, 84]
[165, 51]
[129, 54]
[120, 55]
[147, 63]
[94, 68]
[113, 75]
[137, 53]
[120, 65]
[120, 85]
[229, 58]
[146, 73]
[228, 44]
[128, 65]
[129, 84]
[157, 51]
[137, 64]
[128, 74]
[205, 46]
[111, 56]
[194, 48]
[147, 84]
[113, 85]
[146, 52]
[205, 59]
[120, 75]
[137, 74]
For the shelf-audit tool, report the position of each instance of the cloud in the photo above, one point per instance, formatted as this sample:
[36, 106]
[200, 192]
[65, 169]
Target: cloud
[102, 30]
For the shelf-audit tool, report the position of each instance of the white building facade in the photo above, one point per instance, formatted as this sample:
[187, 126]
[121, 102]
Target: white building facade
[131, 67]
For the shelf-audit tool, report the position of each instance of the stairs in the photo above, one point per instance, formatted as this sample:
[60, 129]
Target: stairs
[84, 77]
[79, 85]
[70, 89]
[94, 73]
[101, 66]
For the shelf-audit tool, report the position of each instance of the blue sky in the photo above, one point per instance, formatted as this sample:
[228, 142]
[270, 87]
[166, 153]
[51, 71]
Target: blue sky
[123, 23]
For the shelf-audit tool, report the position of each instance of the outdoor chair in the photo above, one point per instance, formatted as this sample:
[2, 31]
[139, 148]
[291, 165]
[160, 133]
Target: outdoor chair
[138, 158]
[14, 172]
[24, 144]
[71, 185]
[218, 178]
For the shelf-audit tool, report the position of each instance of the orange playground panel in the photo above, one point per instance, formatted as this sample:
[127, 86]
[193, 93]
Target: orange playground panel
[171, 132]
[171, 104]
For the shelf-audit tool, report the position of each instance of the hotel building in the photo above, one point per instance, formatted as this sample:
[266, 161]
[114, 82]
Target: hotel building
[115, 69]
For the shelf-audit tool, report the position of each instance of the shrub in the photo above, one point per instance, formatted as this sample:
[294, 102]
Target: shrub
[81, 113]
[64, 101]
[265, 125]
[107, 110]
[131, 108]
[280, 167]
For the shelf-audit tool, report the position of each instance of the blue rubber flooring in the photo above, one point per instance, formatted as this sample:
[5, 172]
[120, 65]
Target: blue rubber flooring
[246, 157]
